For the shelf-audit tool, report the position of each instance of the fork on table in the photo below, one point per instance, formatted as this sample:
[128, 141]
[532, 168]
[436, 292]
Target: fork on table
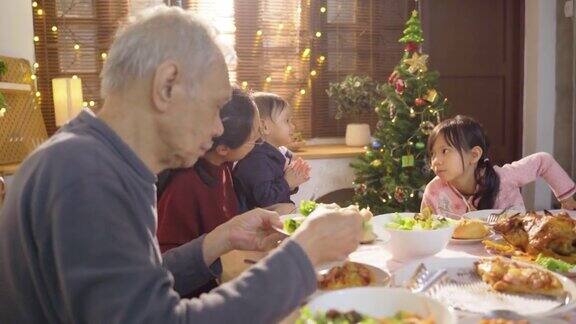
[495, 217]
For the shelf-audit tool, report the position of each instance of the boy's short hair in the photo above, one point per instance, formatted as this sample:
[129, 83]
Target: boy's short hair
[269, 105]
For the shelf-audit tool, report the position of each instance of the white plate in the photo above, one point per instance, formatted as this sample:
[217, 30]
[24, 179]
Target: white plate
[381, 302]
[382, 237]
[381, 277]
[572, 213]
[484, 213]
[470, 241]
[473, 298]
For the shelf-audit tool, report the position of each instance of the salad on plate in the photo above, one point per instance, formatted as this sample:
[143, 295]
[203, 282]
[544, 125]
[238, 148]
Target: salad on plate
[310, 209]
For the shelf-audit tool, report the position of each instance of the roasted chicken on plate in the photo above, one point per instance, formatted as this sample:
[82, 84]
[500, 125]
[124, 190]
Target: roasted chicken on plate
[533, 234]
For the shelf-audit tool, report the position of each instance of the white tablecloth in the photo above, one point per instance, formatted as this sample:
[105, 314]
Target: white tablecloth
[378, 256]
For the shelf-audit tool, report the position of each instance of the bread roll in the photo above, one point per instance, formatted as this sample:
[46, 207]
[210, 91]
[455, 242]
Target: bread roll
[470, 229]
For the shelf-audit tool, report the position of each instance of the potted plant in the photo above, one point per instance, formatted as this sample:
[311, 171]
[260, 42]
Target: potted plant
[354, 96]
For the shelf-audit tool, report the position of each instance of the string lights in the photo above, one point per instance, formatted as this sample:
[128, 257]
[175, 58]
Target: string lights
[77, 46]
[291, 69]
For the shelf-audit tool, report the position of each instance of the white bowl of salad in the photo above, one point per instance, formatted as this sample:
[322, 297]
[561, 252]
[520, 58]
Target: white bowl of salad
[415, 234]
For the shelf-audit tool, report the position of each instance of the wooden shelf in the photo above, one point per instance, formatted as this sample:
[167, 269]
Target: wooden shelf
[329, 151]
[15, 87]
[7, 169]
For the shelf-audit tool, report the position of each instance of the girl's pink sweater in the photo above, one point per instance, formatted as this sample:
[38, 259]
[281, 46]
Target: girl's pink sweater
[441, 196]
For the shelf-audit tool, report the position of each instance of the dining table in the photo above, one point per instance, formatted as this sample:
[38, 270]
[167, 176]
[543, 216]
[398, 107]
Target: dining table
[378, 256]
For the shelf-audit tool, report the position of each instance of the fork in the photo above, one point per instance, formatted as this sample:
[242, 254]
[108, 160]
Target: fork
[494, 218]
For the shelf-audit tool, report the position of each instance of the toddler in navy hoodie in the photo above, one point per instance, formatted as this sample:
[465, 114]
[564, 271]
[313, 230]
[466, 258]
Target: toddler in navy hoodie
[267, 176]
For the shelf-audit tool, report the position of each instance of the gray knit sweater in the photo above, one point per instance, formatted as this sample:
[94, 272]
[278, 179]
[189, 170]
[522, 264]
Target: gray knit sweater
[78, 245]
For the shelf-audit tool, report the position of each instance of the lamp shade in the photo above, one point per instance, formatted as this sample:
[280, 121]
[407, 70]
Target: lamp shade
[67, 94]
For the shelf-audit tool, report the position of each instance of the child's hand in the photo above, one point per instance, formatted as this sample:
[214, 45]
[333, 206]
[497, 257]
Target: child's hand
[569, 203]
[297, 173]
[302, 167]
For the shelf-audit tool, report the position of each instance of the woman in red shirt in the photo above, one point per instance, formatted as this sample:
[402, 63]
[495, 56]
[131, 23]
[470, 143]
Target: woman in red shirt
[198, 199]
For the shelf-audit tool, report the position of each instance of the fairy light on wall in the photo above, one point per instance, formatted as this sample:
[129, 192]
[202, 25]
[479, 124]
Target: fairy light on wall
[311, 61]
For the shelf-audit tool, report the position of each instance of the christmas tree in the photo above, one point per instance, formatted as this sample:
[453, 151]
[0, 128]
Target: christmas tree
[393, 172]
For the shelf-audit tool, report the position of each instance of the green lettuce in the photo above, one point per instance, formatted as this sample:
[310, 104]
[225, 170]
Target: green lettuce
[418, 222]
[307, 207]
[553, 264]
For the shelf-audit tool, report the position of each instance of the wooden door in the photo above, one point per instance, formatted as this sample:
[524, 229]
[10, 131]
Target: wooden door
[477, 46]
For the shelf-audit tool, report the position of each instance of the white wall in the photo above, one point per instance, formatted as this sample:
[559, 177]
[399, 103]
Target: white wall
[326, 175]
[16, 29]
[539, 90]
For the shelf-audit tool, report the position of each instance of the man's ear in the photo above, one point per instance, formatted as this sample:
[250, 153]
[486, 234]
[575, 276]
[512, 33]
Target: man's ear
[163, 84]
[476, 153]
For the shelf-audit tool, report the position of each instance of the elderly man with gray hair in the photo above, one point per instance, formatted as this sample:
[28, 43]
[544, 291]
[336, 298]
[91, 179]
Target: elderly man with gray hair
[77, 232]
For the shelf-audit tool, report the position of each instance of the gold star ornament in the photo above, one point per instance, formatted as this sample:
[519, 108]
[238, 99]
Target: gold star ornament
[417, 63]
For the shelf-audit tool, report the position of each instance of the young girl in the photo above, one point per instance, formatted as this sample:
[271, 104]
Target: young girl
[266, 176]
[466, 180]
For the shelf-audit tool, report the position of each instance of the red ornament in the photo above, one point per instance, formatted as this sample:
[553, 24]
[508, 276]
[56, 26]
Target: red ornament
[399, 86]
[360, 189]
[411, 47]
[419, 102]
[393, 77]
[399, 195]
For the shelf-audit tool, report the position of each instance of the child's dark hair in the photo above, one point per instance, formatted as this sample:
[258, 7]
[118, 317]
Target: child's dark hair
[237, 116]
[269, 105]
[464, 133]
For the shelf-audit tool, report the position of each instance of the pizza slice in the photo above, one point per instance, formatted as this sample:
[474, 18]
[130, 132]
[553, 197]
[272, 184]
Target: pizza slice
[514, 277]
